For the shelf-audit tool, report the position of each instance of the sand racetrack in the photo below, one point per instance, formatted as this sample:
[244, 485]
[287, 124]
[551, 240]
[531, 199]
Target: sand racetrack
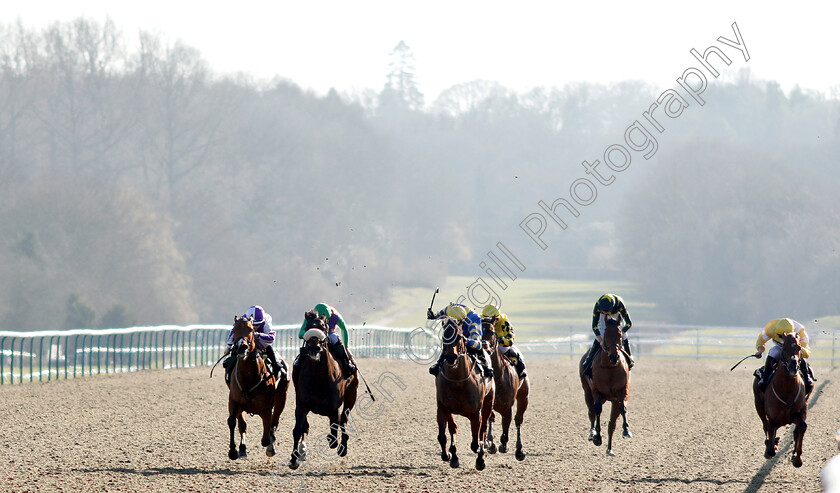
[166, 431]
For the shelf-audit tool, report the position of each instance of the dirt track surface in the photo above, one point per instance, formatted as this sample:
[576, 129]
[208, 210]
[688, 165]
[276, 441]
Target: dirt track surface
[166, 431]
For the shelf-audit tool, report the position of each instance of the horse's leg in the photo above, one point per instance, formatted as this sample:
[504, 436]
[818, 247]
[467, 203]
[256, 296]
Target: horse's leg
[521, 406]
[298, 445]
[626, 429]
[243, 427]
[349, 402]
[441, 419]
[590, 406]
[770, 442]
[491, 447]
[615, 410]
[484, 418]
[475, 425]
[233, 410]
[332, 438]
[798, 435]
[268, 434]
[476, 445]
[597, 407]
[453, 432]
[507, 417]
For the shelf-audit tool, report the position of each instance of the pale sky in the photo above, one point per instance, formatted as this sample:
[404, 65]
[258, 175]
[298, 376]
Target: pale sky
[323, 44]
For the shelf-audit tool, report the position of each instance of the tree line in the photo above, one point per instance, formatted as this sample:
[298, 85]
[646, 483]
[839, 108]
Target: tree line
[141, 187]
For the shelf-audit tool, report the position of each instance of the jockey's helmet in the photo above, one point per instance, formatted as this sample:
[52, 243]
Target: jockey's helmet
[256, 311]
[489, 311]
[457, 312]
[606, 303]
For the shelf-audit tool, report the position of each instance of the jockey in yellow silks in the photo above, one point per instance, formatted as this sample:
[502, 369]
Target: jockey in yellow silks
[504, 336]
[777, 330]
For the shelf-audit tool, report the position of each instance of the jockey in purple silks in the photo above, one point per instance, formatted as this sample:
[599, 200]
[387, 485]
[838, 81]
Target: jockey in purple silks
[264, 337]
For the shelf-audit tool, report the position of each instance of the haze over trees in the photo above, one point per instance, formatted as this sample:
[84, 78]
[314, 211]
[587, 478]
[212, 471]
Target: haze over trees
[140, 187]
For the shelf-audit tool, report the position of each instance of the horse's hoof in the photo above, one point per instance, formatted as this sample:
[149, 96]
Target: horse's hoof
[233, 454]
[294, 465]
[627, 434]
[597, 440]
[520, 455]
[776, 441]
[243, 455]
[591, 435]
[797, 462]
[492, 448]
[454, 463]
[342, 450]
[610, 453]
[333, 442]
[269, 452]
[769, 454]
[503, 448]
[445, 457]
[479, 464]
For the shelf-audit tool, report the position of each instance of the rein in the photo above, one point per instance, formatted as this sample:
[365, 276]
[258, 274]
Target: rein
[798, 393]
[239, 382]
[798, 386]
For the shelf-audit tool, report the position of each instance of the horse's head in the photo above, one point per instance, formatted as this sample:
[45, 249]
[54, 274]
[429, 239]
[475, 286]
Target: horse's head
[315, 336]
[790, 354]
[243, 336]
[488, 332]
[453, 340]
[612, 338]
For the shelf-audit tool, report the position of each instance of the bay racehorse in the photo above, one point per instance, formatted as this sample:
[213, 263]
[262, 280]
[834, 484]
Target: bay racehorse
[461, 389]
[510, 390]
[253, 390]
[320, 388]
[784, 401]
[610, 382]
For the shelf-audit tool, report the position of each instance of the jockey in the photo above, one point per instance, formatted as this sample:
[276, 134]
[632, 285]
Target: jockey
[776, 330]
[504, 336]
[339, 351]
[471, 328]
[264, 337]
[608, 304]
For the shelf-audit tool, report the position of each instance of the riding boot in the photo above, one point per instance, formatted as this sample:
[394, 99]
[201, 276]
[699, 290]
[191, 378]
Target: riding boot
[340, 353]
[587, 365]
[435, 368]
[485, 362]
[630, 360]
[228, 365]
[807, 375]
[277, 370]
[767, 374]
[516, 357]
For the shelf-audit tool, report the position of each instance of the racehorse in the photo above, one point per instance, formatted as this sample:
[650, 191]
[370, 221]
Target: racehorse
[461, 389]
[320, 388]
[252, 390]
[784, 401]
[610, 382]
[509, 390]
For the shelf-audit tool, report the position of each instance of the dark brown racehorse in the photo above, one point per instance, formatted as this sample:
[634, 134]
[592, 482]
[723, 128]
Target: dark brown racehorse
[252, 390]
[610, 382]
[320, 388]
[461, 389]
[784, 401]
[509, 390]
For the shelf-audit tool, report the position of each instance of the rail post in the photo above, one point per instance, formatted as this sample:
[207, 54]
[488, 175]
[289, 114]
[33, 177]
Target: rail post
[2, 357]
